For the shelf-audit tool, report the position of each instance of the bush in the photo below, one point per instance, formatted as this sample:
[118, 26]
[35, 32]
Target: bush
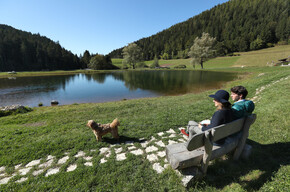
[141, 65]
[180, 67]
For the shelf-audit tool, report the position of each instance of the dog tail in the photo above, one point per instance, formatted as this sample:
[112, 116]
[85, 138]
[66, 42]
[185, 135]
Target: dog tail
[115, 123]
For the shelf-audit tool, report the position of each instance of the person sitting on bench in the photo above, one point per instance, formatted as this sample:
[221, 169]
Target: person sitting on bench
[223, 115]
[241, 107]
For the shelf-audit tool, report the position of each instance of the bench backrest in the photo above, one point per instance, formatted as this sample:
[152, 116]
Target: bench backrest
[220, 132]
[228, 129]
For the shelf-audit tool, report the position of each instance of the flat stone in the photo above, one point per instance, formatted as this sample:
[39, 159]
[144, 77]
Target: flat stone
[2, 174]
[103, 160]
[185, 137]
[18, 166]
[63, 160]
[171, 142]
[129, 142]
[144, 144]
[24, 171]
[137, 152]
[161, 153]
[151, 149]
[152, 157]
[52, 171]
[93, 150]
[182, 140]
[35, 173]
[170, 131]
[166, 166]
[88, 158]
[80, 154]
[152, 139]
[49, 157]
[131, 148]
[121, 157]
[5, 180]
[46, 164]
[71, 168]
[160, 134]
[33, 163]
[108, 154]
[104, 150]
[172, 135]
[21, 180]
[90, 164]
[158, 168]
[3, 168]
[114, 145]
[188, 174]
[160, 143]
[118, 150]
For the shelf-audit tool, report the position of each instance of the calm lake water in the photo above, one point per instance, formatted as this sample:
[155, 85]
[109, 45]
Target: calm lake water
[103, 87]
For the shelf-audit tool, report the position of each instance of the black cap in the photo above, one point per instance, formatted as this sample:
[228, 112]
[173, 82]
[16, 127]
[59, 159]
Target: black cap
[221, 96]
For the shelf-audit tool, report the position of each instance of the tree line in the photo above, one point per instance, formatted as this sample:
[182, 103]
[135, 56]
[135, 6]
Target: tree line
[23, 51]
[237, 25]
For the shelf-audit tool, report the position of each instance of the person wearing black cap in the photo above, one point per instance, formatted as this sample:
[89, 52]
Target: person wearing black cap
[223, 114]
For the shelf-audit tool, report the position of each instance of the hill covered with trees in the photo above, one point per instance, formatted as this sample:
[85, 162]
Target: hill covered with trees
[237, 25]
[23, 51]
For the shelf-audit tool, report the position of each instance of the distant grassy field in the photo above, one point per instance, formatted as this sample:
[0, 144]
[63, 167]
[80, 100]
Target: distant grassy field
[262, 57]
[60, 132]
[247, 59]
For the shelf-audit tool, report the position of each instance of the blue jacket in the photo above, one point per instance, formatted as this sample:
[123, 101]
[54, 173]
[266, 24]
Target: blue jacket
[242, 108]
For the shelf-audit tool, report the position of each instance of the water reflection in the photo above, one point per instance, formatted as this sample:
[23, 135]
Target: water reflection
[101, 87]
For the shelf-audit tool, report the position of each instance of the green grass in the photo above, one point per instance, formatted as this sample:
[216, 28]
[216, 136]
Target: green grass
[258, 58]
[262, 57]
[56, 130]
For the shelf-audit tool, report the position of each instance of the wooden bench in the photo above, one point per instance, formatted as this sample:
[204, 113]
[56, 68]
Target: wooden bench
[200, 149]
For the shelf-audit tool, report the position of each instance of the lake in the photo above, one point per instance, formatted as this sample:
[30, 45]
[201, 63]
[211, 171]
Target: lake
[103, 87]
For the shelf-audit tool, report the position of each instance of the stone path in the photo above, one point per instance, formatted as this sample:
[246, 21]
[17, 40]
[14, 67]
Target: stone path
[153, 150]
[257, 96]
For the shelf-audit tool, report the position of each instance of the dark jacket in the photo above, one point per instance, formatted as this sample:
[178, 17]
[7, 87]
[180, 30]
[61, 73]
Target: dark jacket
[220, 117]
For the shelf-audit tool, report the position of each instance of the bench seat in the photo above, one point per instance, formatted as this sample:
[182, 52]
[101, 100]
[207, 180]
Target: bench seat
[179, 157]
[200, 149]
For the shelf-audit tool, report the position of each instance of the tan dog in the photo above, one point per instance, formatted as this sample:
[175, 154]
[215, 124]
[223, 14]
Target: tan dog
[102, 129]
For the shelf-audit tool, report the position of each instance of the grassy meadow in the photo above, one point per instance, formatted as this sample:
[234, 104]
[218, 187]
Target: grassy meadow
[62, 130]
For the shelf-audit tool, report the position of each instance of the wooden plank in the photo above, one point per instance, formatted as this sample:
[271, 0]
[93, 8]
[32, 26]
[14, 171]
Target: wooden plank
[228, 129]
[186, 159]
[248, 122]
[195, 142]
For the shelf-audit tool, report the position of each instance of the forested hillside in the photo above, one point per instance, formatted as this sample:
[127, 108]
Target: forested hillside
[23, 51]
[237, 25]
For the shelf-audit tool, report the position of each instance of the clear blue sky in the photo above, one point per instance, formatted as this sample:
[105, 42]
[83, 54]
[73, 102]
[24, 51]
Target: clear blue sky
[99, 26]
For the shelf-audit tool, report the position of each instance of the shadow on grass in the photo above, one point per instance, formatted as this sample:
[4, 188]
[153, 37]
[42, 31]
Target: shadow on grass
[122, 139]
[251, 174]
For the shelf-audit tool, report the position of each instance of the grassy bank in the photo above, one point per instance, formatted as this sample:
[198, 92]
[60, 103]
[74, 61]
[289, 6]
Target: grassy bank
[258, 58]
[61, 130]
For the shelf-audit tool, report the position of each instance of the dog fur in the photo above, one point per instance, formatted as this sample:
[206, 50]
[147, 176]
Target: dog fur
[102, 129]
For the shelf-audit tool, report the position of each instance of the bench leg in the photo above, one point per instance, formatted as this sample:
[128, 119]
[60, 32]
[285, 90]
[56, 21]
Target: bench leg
[207, 153]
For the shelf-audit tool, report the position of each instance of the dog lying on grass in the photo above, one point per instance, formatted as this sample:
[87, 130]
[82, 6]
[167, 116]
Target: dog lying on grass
[102, 129]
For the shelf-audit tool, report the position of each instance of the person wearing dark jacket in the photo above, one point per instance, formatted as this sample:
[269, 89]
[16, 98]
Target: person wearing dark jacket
[223, 114]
